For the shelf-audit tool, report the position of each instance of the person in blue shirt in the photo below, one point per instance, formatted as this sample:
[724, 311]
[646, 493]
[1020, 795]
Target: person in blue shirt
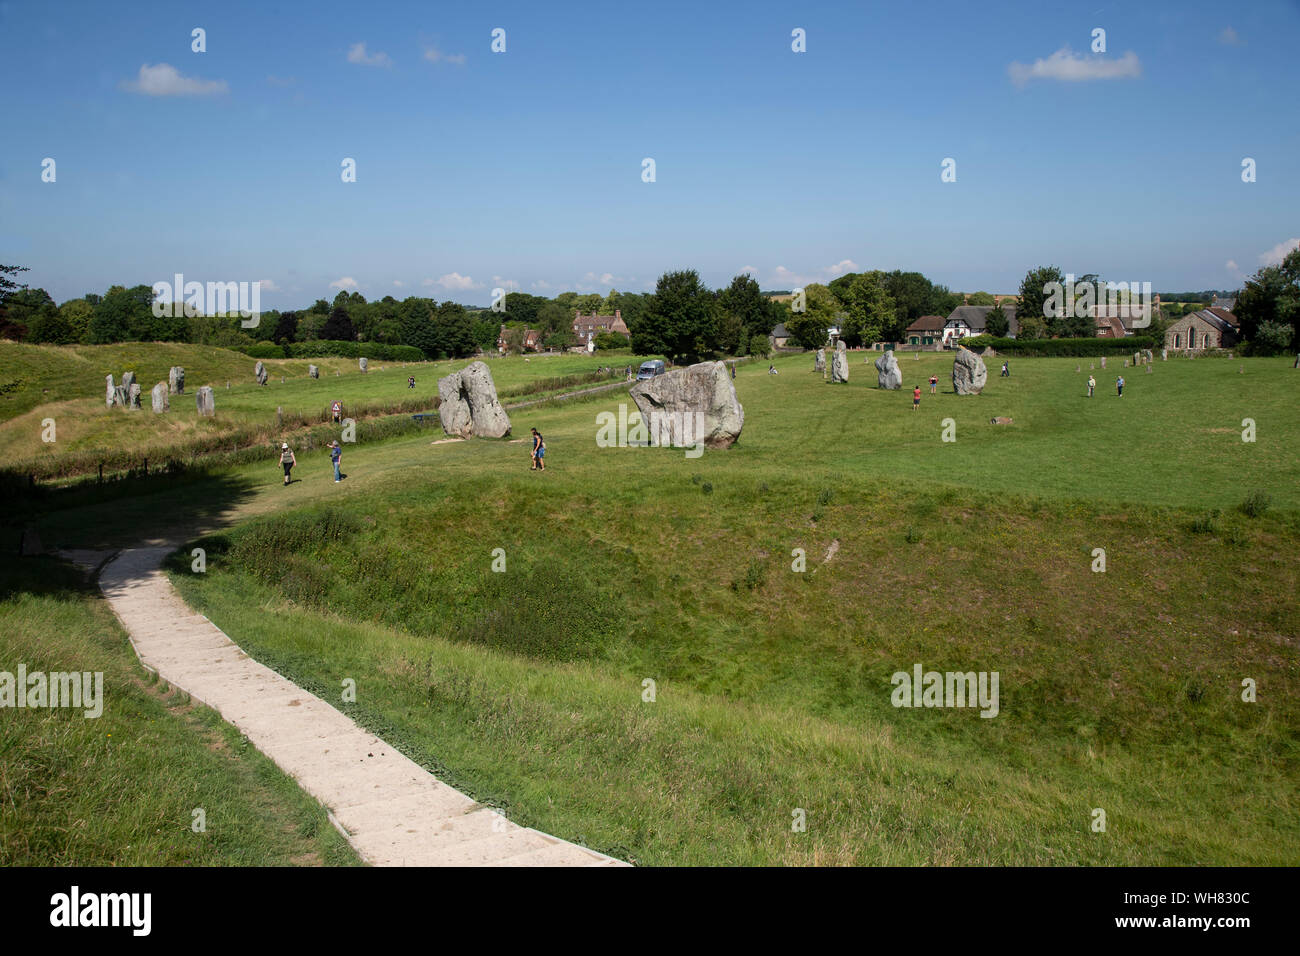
[336, 456]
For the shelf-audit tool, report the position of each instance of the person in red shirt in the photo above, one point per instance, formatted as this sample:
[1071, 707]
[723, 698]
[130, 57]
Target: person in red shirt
[916, 398]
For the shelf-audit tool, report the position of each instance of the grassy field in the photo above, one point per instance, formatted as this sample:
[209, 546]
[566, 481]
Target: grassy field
[120, 789]
[1119, 690]
[66, 384]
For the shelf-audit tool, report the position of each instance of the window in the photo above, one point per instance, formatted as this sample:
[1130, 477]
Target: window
[1178, 341]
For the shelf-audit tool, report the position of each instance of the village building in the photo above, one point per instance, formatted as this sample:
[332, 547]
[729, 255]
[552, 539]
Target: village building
[967, 321]
[1212, 328]
[587, 327]
[779, 337]
[530, 342]
[927, 330]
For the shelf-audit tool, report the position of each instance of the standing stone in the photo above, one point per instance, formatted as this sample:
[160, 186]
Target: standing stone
[1149, 356]
[888, 374]
[205, 401]
[127, 381]
[121, 397]
[968, 373]
[1137, 359]
[260, 372]
[840, 363]
[690, 406]
[133, 396]
[313, 371]
[176, 380]
[468, 404]
[364, 366]
[1103, 361]
[110, 397]
[159, 396]
[819, 363]
[1164, 355]
[1148, 367]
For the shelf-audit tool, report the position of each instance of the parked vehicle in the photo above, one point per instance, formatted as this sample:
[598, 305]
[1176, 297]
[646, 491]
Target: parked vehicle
[650, 369]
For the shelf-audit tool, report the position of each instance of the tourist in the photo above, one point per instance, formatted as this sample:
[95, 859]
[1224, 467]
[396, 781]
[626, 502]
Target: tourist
[733, 371]
[1092, 383]
[287, 460]
[1119, 386]
[1006, 372]
[336, 458]
[539, 452]
[916, 398]
[771, 370]
[934, 384]
[410, 381]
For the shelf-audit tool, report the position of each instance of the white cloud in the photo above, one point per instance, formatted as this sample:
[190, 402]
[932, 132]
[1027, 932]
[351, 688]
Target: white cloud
[357, 54]
[454, 280]
[1275, 255]
[165, 80]
[843, 267]
[434, 55]
[1072, 67]
[750, 269]
[1231, 266]
[268, 285]
[347, 282]
[399, 283]
[1229, 37]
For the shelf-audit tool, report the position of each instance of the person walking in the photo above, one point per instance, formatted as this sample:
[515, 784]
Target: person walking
[916, 398]
[1092, 383]
[733, 371]
[1006, 372]
[539, 451]
[410, 381]
[1119, 386]
[336, 458]
[287, 460]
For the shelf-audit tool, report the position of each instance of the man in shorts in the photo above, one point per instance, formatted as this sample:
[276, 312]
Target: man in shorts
[539, 451]
[916, 398]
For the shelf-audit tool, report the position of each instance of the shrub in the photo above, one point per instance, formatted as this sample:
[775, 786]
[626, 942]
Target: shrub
[1206, 523]
[330, 348]
[264, 350]
[612, 340]
[1256, 503]
[1048, 348]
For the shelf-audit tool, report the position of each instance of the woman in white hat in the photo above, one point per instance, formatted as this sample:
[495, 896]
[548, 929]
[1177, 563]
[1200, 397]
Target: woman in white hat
[287, 460]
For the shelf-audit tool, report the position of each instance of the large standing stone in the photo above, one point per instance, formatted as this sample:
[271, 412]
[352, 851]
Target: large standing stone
[968, 373]
[687, 406]
[840, 363]
[888, 374]
[260, 372]
[1148, 355]
[133, 396]
[313, 371]
[110, 397]
[205, 401]
[159, 397]
[128, 380]
[819, 363]
[468, 404]
[121, 396]
[1164, 355]
[176, 380]
[364, 366]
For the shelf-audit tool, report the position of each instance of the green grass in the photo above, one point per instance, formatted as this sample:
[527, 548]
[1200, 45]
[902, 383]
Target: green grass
[65, 384]
[1119, 690]
[120, 789]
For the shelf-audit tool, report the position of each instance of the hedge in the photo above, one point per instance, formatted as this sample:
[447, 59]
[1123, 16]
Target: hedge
[1063, 347]
[326, 348]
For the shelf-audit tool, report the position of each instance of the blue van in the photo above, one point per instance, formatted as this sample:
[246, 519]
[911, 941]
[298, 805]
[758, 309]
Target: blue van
[650, 369]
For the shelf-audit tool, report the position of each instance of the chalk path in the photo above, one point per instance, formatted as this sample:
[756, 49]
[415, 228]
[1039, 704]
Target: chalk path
[392, 810]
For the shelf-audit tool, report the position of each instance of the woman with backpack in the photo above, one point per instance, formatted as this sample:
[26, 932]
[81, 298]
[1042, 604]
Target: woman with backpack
[287, 460]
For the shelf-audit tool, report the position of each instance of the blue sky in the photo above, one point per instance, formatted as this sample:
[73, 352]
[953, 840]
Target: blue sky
[477, 169]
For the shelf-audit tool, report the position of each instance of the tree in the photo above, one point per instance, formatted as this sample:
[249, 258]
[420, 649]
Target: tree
[77, 313]
[286, 328]
[871, 310]
[338, 327]
[680, 321]
[1272, 295]
[125, 315]
[996, 323]
[746, 304]
[1272, 338]
[980, 298]
[1033, 299]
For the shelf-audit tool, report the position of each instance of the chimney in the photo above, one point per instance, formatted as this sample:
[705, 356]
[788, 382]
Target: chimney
[618, 315]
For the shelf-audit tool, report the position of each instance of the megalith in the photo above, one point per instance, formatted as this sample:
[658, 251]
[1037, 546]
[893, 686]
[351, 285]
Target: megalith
[888, 374]
[689, 406]
[840, 363]
[468, 405]
[968, 373]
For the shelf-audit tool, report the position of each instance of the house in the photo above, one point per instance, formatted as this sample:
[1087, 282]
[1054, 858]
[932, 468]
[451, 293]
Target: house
[530, 342]
[1110, 327]
[966, 321]
[927, 330]
[779, 336]
[586, 327]
[1206, 329]
[1226, 304]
